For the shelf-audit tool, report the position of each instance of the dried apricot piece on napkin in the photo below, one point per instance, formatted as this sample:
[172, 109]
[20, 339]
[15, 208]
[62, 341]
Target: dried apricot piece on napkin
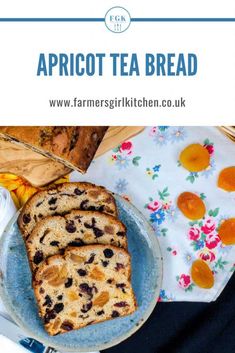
[195, 158]
[191, 205]
[226, 231]
[226, 179]
[202, 275]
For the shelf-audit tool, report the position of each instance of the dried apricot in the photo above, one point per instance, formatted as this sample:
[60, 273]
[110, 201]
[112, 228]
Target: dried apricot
[50, 273]
[202, 275]
[60, 277]
[102, 299]
[76, 258]
[97, 274]
[227, 231]
[72, 295]
[226, 179]
[56, 324]
[191, 205]
[195, 158]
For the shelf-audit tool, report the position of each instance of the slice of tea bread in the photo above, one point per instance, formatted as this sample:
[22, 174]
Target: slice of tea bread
[61, 200]
[54, 233]
[86, 285]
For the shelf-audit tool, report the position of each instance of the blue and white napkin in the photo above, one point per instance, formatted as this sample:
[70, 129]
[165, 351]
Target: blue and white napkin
[146, 171]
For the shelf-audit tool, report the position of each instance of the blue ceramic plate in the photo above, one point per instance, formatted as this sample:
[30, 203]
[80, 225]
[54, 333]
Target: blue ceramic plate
[18, 296]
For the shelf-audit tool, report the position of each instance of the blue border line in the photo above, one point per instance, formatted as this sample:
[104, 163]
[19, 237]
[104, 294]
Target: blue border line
[137, 19]
[182, 19]
[59, 19]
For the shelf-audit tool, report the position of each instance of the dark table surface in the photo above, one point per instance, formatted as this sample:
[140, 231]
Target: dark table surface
[187, 328]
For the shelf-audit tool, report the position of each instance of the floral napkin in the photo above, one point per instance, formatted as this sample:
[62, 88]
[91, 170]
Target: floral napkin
[7, 208]
[145, 170]
[7, 211]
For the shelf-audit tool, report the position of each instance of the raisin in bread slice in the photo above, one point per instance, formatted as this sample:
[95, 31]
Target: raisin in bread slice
[86, 285]
[61, 200]
[54, 233]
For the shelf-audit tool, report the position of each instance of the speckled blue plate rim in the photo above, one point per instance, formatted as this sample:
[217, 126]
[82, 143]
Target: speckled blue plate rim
[157, 254]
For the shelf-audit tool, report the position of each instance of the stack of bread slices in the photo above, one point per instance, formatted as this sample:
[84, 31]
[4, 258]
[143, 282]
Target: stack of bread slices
[77, 250]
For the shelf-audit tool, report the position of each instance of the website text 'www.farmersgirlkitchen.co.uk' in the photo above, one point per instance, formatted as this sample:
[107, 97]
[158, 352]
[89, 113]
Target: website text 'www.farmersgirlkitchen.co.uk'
[122, 102]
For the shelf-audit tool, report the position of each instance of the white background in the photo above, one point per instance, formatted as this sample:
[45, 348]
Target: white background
[137, 8]
[210, 94]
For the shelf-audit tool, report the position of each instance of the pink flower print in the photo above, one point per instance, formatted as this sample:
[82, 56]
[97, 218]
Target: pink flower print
[194, 233]
[210, 148]
[207, 255]
[209, 226]
[153, 131]
[127, 198]
[154, 206]
[184, 281]
[126, 147]
[114, 157]
[212, 240]
[166, 206]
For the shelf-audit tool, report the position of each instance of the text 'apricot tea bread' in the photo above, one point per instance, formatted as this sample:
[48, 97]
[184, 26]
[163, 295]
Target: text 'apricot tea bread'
[54, 233]
[61, 200]
[86, 285]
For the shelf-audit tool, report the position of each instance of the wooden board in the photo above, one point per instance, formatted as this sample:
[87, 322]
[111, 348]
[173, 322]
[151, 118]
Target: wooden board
[115, 135]
[228, 131]
[39, 170]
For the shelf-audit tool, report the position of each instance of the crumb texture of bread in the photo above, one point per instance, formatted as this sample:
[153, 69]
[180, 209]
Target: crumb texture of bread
[55, 233]
[74, 146]
[61, 200]
[86, 285]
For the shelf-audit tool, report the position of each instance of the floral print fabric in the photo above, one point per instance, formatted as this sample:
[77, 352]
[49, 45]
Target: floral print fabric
[145, 171]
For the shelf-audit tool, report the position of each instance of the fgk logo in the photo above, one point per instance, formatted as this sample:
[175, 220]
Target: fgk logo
[117, 19]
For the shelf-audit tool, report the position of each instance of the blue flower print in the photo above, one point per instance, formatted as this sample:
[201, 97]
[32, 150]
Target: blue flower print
[163, 297]
[188, 258]
[161, 137]
[121, 186]
[172, 213]
[122, 162]
[156, 168]
[163, 128]
[178, 134]
[157, 217]
[199, 244]
[209, 170]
